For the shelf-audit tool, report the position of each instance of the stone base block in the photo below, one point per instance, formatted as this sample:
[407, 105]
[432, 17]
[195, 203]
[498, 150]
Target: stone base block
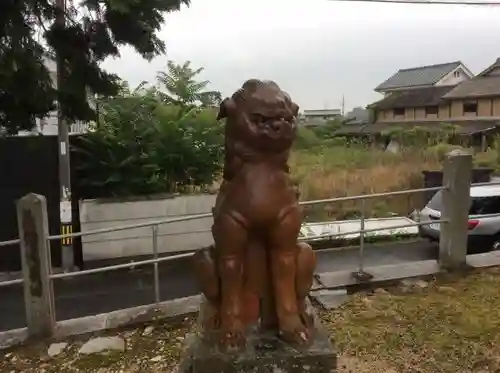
[264, 353]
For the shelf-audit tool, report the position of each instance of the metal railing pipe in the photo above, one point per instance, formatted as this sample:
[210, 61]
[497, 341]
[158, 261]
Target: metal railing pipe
[208, 215]
[10, 242]
[120, 266]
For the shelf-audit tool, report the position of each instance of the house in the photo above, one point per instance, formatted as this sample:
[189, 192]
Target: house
[318, 117]
[48, 126]
[478, 98]
[444, 74]
[407, 93]
[445, 94]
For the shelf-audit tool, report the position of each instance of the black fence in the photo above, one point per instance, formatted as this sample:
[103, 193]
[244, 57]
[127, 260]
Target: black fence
[29, 164]
[435, 179]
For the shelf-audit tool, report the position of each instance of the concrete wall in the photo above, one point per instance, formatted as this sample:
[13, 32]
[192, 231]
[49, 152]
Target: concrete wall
[174, 237]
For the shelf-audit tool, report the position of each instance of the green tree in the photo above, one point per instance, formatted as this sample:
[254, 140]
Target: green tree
[182, 88]
[144, 146]
[210, 98]
[94, 30]
[327, 130]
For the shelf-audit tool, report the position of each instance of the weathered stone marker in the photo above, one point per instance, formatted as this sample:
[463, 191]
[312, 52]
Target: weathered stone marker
[257, 276]
[35, 256]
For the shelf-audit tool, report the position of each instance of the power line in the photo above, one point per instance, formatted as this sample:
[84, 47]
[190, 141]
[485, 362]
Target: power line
[426, 2]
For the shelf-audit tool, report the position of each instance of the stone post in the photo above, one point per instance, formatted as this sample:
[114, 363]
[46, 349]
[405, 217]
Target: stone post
[35, 258]
[457, 170]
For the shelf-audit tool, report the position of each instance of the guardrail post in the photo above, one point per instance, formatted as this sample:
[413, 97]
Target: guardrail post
[35, 258]
[457, 170]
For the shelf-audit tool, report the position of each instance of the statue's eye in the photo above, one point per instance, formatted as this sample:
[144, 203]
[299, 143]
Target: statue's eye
[258, 118]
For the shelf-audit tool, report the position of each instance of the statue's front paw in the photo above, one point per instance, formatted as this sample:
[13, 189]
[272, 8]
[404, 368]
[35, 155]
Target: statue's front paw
[293, 331]
[232, 335]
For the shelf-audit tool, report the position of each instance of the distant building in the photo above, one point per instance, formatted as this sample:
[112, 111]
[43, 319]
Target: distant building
[435, 97]
[440, 75]
[318, 117]
[354, 121]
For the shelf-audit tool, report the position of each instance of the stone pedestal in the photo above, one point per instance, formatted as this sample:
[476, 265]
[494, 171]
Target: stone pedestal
[264, 353]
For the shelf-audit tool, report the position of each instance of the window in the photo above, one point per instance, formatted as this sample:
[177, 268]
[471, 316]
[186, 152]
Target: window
[399, 112]
[431, 110]
[436, 203]
[456, 74]
[470, 107]
[484, 205]
[479, 205]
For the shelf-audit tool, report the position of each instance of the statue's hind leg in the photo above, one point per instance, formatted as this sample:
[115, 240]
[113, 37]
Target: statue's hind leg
[208, 280]
[283, 250]
[306, 263]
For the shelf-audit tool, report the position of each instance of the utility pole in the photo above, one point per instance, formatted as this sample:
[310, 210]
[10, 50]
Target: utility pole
[66, 218]
[343, 105]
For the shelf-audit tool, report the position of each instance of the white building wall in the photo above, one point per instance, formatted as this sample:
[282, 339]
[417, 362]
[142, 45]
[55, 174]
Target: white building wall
[456, 76]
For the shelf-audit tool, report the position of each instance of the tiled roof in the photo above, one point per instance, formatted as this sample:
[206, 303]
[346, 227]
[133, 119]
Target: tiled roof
[481, 86]
[489, 68]
[417, 97]
[418, 76]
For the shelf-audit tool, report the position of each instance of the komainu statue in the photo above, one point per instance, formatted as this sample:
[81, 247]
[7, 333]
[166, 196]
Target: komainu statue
[257, 273]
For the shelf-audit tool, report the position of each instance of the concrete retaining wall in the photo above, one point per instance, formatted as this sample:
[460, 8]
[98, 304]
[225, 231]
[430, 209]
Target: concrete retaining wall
[173, 237]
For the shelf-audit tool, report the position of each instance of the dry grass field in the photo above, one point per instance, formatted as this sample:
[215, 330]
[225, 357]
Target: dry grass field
[340, 171]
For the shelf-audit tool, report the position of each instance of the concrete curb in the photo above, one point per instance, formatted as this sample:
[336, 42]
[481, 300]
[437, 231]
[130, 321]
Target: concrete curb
[111, 320]
[329, 245]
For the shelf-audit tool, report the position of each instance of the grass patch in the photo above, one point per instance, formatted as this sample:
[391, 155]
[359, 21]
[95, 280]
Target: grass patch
[448, 325]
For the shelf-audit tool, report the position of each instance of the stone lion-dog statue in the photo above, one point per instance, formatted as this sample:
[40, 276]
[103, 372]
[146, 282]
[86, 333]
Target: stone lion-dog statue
[257, 273]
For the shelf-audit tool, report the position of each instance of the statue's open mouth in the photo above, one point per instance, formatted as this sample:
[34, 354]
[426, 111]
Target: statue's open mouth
[275, 129]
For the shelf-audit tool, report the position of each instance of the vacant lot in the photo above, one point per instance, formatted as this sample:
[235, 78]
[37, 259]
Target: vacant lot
[328, 172]
[449, 325]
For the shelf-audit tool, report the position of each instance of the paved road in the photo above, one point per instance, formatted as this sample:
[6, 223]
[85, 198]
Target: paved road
[105, 292]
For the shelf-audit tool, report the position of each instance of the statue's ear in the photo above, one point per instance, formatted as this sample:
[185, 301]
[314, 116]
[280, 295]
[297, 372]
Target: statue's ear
[226, 108]
[295, 109]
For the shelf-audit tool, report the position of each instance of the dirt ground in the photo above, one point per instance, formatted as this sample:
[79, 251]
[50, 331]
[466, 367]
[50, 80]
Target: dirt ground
[446, 325]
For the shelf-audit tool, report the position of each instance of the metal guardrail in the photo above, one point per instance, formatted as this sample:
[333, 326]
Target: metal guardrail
[208, 215]
[41, 318]
[157, 259]
[11, 242]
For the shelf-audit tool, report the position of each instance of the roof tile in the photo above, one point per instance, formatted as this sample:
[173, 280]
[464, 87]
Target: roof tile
[418, 76]
[481, 86]
[417, 97]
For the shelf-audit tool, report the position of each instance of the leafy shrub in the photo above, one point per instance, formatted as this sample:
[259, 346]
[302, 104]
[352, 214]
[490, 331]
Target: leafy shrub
[144, 147]
[440, 150]
[306, 138]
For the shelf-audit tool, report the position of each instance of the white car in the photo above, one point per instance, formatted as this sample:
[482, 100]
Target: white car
[484, 218]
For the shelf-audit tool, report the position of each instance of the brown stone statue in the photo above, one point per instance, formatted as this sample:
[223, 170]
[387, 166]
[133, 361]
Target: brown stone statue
[257, 273]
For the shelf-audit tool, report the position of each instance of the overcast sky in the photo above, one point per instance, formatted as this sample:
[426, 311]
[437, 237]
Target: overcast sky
[318, 50]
